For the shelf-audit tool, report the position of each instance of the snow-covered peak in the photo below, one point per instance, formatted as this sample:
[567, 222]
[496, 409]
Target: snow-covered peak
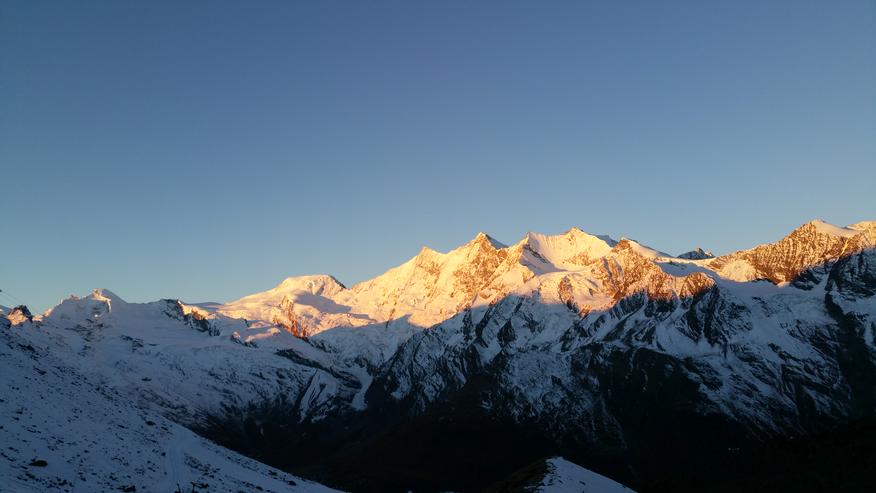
[861, 225]
[99, 302]
[482, 239]
[816, 243]
[301, 305]
[570, 250]
[316, 284]
[504, 313]
[433, 287]
[425, 250]
[697, 254]
[830, 229]
[868, 227]
[103, 294]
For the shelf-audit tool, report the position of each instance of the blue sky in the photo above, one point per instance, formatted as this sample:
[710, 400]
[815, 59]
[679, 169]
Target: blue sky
[207, 150]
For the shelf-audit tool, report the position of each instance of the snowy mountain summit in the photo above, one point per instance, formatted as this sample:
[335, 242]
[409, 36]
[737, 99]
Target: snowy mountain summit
[598, 348]
[697, 254]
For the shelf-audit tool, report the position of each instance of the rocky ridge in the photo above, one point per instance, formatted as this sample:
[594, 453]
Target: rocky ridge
[591, 341]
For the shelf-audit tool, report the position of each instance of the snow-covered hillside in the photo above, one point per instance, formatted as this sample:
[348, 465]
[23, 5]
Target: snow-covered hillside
[586, 336]
[183, 360]
[66, 431]
[567, 477]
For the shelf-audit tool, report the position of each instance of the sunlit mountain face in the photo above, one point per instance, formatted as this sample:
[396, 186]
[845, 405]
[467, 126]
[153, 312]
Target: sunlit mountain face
[464, 371]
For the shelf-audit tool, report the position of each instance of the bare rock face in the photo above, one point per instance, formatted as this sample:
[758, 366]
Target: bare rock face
[697, 254]
[565, 291]
[815, 244]
[288, 320]
[19, 315]
[627, 272]
[479, 268]
[191, 316]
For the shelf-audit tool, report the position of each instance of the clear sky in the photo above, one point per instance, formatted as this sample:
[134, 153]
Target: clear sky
[207, 150]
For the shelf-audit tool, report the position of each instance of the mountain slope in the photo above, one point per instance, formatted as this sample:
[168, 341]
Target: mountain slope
[65, 431]
[557, 475]
[182, 360]
[815, 243]
[611, 353]
[590, 352]
[566, 477]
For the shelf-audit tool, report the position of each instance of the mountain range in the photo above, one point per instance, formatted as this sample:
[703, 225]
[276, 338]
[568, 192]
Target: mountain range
[453, 371]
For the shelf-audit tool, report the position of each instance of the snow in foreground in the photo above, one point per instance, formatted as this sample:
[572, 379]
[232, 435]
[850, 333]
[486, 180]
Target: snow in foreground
[60, 431]
[564, 476]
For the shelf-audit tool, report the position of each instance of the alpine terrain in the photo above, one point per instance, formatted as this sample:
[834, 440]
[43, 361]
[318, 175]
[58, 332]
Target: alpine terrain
[456, 371]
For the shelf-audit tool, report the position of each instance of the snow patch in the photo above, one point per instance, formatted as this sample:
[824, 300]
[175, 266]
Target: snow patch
[567, 477]
[829, 229]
